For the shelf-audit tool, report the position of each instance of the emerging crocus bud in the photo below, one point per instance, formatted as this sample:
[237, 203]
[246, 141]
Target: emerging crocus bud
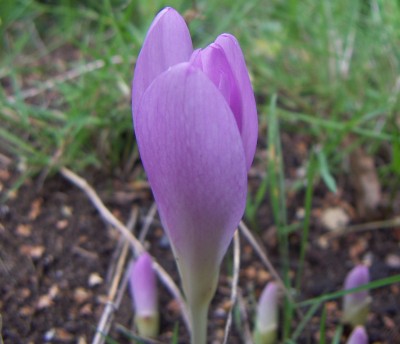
[358, 336]
[356, 305]
[195, 122]
[266, 324]
[144, 294]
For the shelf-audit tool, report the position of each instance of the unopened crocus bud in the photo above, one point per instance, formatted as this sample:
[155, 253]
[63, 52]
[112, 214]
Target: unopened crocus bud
[144, 293]
[358, 336]
[267, 315]
[356, 305]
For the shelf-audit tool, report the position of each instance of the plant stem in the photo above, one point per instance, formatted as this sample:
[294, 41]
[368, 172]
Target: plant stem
[198, 320]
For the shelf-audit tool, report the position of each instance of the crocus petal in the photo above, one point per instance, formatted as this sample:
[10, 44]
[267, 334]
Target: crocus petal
[356, 278]
[356, 305]
[143, 286]
[167, 43]
[192, 152]
[249, 126]
[213, 62]
[358, 336]
[267, 311]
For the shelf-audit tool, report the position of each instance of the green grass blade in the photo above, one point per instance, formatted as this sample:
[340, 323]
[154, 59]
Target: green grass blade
[331, 296]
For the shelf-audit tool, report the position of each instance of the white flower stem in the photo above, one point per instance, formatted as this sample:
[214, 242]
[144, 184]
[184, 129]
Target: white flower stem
[198, 319]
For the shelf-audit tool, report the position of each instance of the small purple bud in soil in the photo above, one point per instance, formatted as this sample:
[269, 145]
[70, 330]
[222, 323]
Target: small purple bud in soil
[358, 336]
[143, 287]
[356, 305]
[266, 323]
[195, 121]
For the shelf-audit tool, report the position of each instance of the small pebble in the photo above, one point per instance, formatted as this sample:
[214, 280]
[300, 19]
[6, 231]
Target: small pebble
[393, 261]
[95, 279]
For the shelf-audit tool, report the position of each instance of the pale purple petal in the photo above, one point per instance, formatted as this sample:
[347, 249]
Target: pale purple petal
[213, 62]
[248, 122]
[357, 277]
[193, 155]
[167, 43]
[143, 286]
[358, 336]
[267, 311]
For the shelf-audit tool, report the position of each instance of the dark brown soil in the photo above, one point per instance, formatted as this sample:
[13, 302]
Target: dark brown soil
[56, 253]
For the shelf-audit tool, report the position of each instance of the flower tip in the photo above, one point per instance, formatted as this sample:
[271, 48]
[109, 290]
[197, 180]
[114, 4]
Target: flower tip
[358, 276]
[267, 315]
[358, 336]
[356, 305]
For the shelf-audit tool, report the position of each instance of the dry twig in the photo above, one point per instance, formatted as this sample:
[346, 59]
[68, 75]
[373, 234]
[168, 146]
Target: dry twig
[248, 338]
[246, 232]
[147, 222]
[386, 224]
[235, 282]
[69, 75]
[253, 242]
[135, 243]
[107, 316]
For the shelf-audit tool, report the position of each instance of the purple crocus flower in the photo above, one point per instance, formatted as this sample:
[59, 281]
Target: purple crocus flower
[356, 305]
[143, 287]
[358, 336]
[195, 122]
[266, 324]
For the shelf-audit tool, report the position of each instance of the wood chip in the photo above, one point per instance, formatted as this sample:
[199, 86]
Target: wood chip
[26, 311]
[263, 276]
[95, 279]
[45, 301]
[63, 335]
[24, 230]
[81, 295]
[62, 224]
[36, 208]
[32, 251]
